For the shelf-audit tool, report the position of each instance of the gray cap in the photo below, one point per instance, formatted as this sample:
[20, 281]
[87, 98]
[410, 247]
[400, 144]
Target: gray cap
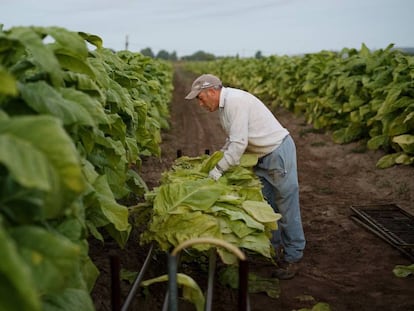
[204, 81]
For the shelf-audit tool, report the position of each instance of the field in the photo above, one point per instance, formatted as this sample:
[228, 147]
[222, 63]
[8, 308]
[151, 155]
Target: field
[345, 265]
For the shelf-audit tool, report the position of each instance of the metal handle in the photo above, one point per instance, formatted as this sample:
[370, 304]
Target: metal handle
[243, 300]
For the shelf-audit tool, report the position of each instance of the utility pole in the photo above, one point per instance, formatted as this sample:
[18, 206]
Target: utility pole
[126, 43]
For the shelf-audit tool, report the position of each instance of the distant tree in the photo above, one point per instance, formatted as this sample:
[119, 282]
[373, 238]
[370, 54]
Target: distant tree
[173, 56]
[258, 55]
[163, 54]
[406, 50]
[147, 52]
[200, 56]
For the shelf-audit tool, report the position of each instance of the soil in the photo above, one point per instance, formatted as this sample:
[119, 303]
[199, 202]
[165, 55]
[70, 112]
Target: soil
[345, 265]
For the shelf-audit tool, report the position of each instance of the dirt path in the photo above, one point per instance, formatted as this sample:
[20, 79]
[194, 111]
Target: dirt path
[345, 265]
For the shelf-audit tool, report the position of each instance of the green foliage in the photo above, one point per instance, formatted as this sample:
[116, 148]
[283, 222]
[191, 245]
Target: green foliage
[402, 271]
[74, 124]
[356, 94]
[189, 204]
[320, 306]
[211, 162]
[199, 56]
[190, 289]
[147, 52]
[229, 276]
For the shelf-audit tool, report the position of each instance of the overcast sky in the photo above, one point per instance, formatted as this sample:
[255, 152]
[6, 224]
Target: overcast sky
[225, 27]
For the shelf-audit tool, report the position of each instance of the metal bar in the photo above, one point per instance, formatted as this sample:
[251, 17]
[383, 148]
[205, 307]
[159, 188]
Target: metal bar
[243, 299]
[243, 285]
[138, 280]
[166, 300]
[385, 238]
[172, 283]
[381, 228]
[211, 272]
[115, 283]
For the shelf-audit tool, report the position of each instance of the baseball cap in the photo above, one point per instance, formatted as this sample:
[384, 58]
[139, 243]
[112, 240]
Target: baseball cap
[204, 81]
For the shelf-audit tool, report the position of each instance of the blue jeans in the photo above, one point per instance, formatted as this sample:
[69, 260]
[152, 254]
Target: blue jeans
[278, 174]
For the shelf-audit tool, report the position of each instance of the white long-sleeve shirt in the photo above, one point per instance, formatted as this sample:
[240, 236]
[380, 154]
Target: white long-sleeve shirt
[250, 126]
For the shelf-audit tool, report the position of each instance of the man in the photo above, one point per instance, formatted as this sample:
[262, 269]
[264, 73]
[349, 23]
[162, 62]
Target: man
[251, 127]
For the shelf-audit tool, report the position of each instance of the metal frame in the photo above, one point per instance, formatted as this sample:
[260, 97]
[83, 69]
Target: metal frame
[172, 294]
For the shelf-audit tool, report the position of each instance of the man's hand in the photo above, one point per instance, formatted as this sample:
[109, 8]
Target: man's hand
[215, 173]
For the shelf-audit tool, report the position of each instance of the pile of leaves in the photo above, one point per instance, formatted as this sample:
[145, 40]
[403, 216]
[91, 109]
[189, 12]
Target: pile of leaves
[188, 204]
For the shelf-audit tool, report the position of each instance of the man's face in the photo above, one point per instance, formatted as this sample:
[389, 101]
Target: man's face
[208, 99]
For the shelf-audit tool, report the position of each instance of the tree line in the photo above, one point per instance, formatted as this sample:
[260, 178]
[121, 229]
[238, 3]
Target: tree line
[197, 56]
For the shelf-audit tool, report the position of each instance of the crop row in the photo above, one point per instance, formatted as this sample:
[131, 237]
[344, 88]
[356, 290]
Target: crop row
[357, 94]
[75, 120]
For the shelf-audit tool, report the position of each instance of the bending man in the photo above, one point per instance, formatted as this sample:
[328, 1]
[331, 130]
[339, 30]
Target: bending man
[251, 127]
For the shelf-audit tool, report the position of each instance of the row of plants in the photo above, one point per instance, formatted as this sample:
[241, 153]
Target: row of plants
[75, 120]
[357, 94]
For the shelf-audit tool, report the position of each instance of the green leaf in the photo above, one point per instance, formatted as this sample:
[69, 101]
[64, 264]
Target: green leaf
[248, 160]
[404, 159]
[52, 258]
[95, 111]
[377, 142]
[258, 242]
[229, 276]
[17, 286]
[346, 135]
[236, 213]
[114, 212]
[388, 160]
[211, 162]
[406, 142]
[392, 101]
[45, 99]
[191, 290]
[70, 41]
[93, 39]
[74, 64]
[59, 171]
[402, 271]
[27, 165]
[8, 84]
[397, 125]
[320, 306]
[200, 194]
[172, 230]
[85, 84]
[41, 54]
[72, 299]
[261, 211]
[49, 137]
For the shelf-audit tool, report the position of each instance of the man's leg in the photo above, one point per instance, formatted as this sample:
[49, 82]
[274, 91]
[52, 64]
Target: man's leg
[287, 202]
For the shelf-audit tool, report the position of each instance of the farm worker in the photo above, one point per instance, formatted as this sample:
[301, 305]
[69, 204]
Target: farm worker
[250, 126]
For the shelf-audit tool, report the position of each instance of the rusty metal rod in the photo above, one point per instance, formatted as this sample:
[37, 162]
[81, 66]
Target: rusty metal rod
[172, 283]
[243, 302]
[211, 272]
[138, 280]
[115, 283]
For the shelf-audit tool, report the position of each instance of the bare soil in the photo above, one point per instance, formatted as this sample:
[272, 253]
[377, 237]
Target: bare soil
[345, 265]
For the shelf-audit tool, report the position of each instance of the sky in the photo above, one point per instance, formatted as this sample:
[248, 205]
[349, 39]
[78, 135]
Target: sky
[224, 27]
